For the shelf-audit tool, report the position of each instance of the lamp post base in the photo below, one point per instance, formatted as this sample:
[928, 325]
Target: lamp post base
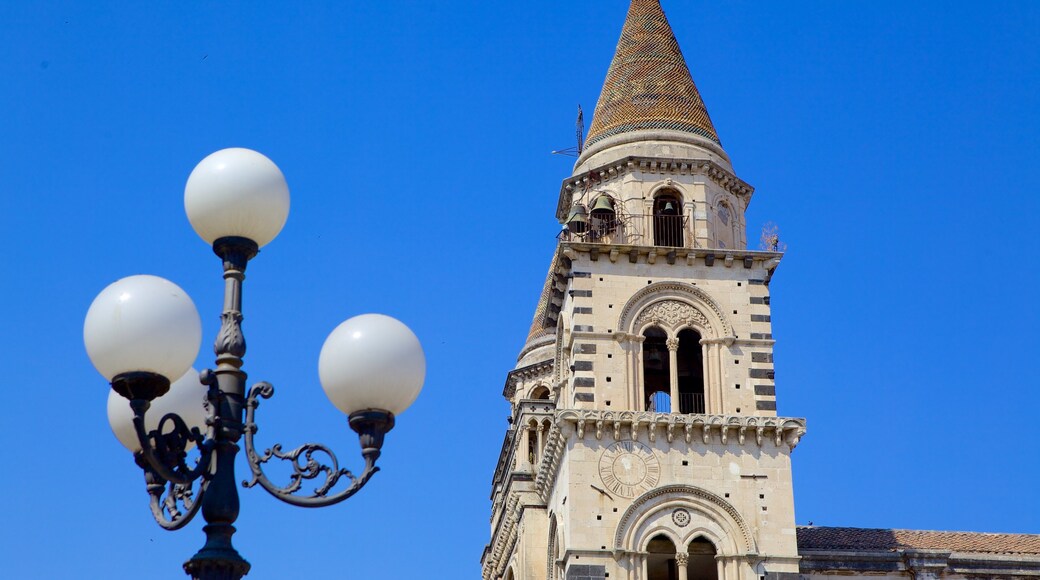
[217, 560]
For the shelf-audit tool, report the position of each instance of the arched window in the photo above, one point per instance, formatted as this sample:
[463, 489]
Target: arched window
[701, 564]
[656, 371]
[725, 226]
[540, 393]
[690, 365]
[660, 559]
[532, 443]
[668, 220]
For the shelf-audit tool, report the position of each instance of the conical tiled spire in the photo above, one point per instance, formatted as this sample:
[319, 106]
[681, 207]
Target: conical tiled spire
[648, 85]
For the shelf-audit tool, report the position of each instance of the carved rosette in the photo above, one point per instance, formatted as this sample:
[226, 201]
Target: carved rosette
[681, 517]
[672, 314]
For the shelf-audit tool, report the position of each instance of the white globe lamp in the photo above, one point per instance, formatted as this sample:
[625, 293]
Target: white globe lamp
[142, 325]
[372, 362]
[237, 192]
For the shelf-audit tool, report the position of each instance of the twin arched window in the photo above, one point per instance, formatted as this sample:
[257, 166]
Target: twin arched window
[663, 562]
[673, 371]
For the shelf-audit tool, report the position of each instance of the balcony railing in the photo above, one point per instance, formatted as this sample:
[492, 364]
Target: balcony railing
[691, 403]
[635, 229]
[661, 402]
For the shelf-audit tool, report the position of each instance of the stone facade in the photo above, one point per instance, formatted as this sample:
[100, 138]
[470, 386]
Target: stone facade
[644, 442]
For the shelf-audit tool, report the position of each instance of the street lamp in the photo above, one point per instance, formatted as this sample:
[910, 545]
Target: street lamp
[143, 333]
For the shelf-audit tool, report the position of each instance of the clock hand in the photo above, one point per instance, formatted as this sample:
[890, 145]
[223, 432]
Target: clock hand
[601, 491]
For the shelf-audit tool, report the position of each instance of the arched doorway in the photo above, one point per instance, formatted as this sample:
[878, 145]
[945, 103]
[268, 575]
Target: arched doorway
[690, 366]
[701, 563]
[660, 559]
[656, 371]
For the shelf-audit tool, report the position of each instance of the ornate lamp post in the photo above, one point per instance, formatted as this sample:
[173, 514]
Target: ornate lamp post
[143, 333]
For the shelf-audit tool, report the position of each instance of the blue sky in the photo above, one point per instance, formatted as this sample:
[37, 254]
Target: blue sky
[894, 143]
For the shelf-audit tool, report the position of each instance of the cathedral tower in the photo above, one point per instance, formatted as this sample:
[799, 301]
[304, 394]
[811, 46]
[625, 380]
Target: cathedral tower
[644, 442]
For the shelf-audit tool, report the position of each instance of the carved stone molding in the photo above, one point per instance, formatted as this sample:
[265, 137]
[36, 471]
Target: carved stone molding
[669, 494]
[671, 314]
[636, 424]
[712, 320]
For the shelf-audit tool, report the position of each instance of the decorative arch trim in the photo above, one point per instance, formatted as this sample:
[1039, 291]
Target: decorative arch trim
[653, 500]
[550, 560]
[661, 291]
[669, 186]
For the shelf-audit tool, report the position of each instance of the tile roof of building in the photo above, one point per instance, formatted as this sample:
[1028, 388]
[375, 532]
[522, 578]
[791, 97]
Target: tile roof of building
[866, 539]
[649, 85]
[538, 323]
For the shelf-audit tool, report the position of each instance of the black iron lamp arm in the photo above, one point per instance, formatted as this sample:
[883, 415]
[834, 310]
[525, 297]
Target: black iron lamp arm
[166, 499]
[371, 427]
[163, 451]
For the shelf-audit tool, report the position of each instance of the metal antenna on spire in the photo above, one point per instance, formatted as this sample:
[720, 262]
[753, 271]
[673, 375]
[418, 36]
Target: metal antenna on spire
[579, 127]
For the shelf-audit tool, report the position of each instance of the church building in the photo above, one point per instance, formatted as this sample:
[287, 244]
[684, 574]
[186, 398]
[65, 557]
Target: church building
[644, 442]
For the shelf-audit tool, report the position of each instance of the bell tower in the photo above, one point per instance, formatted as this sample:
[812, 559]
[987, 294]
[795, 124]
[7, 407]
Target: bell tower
[644, 442]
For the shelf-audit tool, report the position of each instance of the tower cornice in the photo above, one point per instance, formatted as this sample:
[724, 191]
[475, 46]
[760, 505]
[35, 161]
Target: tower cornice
[603, 174]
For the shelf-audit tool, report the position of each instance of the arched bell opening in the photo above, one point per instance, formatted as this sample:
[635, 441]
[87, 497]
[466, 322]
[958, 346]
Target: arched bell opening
[701, 564]
[540, 393]
[690, 366]
[603, 217]
[668, 220]
[656, 371]
[660, 559]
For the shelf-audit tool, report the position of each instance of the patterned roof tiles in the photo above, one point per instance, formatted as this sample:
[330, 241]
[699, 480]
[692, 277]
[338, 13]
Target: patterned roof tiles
[538, 323]
[649, 85]
[868, 539]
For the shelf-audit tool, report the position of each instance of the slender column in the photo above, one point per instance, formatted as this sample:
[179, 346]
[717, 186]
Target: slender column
[636, 369]
[218, 559]
[681, 560]
[706, 370]
[720, 353]
[540, 448]
[690, 210]
[673, 372]
[523, 451]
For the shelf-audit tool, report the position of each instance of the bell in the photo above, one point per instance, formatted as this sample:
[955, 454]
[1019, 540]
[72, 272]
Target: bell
[669, 208]
[603, 204]
[577, 221]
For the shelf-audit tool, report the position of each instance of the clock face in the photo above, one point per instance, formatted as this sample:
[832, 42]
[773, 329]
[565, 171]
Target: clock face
[629, 468]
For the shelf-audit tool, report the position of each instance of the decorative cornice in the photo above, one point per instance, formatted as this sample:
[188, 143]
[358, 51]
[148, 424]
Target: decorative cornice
[631, 424]
[531, 371]
[603, 174]
[683, 256]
